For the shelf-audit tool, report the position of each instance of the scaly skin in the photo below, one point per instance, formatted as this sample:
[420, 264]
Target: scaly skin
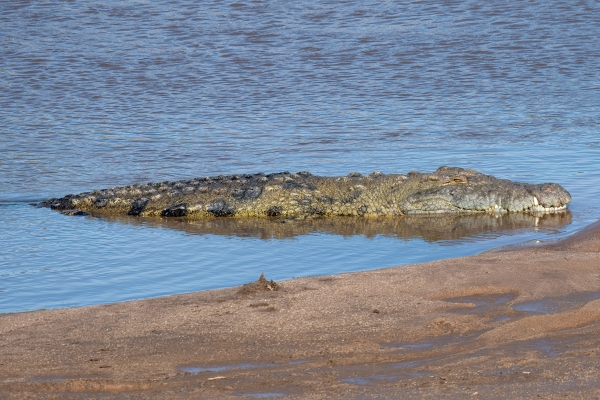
[447, 190]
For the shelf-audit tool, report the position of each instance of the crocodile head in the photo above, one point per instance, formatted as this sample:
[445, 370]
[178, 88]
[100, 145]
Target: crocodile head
[469, 191]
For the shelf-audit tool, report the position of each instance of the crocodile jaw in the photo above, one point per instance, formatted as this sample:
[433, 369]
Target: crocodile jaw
[501, 196]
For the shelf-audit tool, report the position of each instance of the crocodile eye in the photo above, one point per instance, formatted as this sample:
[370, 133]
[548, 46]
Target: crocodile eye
[459, 180]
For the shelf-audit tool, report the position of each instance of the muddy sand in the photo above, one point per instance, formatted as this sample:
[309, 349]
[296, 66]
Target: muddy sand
[523, 323]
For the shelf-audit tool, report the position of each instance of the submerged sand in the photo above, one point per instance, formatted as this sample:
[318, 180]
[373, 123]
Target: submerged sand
[514, 324]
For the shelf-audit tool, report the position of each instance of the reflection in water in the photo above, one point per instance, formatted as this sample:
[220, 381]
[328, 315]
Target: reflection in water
[75, 261]
[430, 228]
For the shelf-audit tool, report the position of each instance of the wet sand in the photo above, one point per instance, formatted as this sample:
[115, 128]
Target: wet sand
[523, 323]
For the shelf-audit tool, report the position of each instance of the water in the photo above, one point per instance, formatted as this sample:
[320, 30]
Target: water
[100, 94]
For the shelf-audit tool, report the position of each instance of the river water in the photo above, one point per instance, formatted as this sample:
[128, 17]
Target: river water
[99, 94]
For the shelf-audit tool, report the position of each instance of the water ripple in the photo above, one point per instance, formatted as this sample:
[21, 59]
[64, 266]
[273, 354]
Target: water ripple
[99, 94]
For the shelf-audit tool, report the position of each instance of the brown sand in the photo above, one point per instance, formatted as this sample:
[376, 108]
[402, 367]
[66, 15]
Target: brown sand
[515, 324]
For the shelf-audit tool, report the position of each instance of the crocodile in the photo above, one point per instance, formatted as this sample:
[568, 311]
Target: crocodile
[285, 194]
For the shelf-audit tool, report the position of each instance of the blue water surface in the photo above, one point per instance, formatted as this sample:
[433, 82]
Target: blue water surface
[100, 94]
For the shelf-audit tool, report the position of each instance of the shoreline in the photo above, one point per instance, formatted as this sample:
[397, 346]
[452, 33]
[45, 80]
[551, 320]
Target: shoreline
[518, 322]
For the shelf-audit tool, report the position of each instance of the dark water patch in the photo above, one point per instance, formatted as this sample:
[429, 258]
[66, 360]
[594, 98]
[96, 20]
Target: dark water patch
[547, 347]
[358, 380]
[200, 369]
[407, 364]
[373, 379]
[500, 318]
[415, 346]
[551, 305]
[496, 305]
[493, 304]
[433, 344]
[483, 302]
[395, 371]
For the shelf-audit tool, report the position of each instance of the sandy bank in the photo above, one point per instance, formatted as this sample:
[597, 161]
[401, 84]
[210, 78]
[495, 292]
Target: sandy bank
[514, 324]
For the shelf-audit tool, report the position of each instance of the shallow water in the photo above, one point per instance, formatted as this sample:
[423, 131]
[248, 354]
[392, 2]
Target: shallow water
[551, 305]
[95, 95]
[198, 369]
